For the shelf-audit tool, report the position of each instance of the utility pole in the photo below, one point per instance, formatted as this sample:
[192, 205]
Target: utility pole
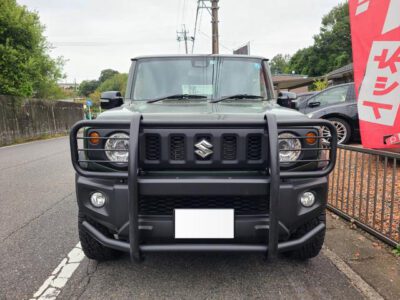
[183, 36]
[214, 22]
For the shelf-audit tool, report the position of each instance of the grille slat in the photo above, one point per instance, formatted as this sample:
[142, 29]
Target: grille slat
[254, 147]
[229, 147]
[165, 205]
[153, 147]
[177, 147]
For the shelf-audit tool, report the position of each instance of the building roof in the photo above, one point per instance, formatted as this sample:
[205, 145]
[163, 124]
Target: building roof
[341, 72]
[290, 81]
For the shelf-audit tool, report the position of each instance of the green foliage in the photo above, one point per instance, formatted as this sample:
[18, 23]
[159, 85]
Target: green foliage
[115, 83]
[280, 64]
[332, 46]
[106, 74]
[108, 77]
[396, 251]
[319, 85]
[26, 69]
[87, 87]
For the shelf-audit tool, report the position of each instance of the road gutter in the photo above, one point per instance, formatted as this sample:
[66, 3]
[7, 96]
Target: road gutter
[360, 284]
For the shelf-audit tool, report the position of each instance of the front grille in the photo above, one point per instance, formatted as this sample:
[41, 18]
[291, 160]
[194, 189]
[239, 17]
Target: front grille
[165, 205]
[254, 147]
[192, 149]
[229, 147]
[153, 147]
[177, 147]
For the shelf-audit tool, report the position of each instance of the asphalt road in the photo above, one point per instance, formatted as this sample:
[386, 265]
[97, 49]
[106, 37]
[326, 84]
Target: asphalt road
[38, 220]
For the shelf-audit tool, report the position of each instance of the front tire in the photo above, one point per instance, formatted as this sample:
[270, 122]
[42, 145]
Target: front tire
[313, 247]
[92, 248]
[343, 130]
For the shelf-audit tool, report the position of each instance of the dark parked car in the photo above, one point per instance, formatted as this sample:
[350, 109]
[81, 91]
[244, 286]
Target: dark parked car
[301, 97]
[201, 160]
[338, 105]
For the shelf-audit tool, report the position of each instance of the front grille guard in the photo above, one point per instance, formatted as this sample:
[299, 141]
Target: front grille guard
[271, 126]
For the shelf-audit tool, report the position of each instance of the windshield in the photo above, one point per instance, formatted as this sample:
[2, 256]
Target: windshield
[212, 77]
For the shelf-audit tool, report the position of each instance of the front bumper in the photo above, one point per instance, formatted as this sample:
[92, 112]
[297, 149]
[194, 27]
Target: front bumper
[203, 247]
[157, 231]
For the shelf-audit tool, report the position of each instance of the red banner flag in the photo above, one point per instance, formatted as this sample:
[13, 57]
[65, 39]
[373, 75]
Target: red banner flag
[375, 31]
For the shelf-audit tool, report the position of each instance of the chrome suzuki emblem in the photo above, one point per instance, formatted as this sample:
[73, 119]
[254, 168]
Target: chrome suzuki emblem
[203, 149]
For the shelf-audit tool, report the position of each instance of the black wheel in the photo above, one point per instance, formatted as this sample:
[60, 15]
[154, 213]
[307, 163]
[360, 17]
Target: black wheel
[343, 130]
[312, 248]
[92, 248]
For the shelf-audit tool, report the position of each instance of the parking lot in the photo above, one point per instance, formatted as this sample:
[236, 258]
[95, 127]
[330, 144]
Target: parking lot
[39, 228]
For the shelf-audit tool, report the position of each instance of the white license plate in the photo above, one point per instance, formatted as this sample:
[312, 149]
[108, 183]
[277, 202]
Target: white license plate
[204, 223]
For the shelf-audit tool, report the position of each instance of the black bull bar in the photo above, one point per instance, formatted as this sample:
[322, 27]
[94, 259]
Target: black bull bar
[271, 247]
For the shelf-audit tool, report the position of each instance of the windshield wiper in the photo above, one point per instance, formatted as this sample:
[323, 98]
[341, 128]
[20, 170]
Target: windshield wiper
[178, 96]
[237, 96]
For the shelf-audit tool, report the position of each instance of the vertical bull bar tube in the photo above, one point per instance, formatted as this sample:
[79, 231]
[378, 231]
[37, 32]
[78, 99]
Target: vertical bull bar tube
[133, 188]
[274, 170]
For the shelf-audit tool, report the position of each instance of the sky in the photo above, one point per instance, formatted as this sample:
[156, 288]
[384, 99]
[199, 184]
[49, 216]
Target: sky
[93, 35]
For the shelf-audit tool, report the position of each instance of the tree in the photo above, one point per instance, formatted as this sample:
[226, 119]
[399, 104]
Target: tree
[115, 83]
[26, 69]
[331, 48]
[106, 74]
[87, 87]
[280, 64]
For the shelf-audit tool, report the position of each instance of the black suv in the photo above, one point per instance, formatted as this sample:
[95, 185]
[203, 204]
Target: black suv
[338, 105]
[199, 157]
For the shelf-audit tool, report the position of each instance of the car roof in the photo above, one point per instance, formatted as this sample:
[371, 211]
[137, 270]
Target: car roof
[335, 86]
[198, 55]
[307, 93]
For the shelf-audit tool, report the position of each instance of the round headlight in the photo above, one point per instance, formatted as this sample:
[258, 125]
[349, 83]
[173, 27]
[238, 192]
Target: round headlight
[117, 147]
[289, 147]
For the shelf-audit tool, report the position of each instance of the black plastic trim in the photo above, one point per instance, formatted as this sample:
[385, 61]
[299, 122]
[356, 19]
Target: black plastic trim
[125, 246]
[133, 193]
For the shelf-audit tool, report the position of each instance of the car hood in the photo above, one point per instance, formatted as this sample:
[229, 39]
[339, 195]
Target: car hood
[187, 110]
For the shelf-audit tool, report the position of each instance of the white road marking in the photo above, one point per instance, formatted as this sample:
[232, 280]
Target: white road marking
[360, 284]
[53, 285]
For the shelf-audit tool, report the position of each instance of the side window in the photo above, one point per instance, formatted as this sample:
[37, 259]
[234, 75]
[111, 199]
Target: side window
[332, 96]
[351, 96]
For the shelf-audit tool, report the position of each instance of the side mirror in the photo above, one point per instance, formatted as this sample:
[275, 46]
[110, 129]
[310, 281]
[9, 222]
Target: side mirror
[287, 96]
[314, 104]
[111, 99]
[285, 99]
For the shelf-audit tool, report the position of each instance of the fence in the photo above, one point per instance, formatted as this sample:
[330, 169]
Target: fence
[364, 188]
[27, 119]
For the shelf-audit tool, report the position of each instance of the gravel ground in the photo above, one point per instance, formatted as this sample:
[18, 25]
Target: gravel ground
[360, 187]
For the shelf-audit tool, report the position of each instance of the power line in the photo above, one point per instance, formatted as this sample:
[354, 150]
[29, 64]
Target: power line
[183, 36]
[213, 11]
[221, 44]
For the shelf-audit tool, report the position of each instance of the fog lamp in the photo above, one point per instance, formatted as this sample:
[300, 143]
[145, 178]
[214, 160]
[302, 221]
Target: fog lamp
[307, 199]
[98, 199]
